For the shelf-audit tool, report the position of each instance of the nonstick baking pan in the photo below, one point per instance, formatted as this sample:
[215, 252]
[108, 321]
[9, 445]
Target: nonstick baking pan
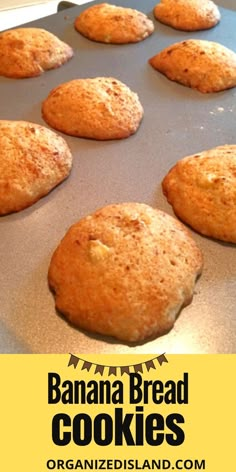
[178, 121]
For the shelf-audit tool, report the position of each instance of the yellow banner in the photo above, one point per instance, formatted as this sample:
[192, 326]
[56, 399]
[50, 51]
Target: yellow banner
[142, 412]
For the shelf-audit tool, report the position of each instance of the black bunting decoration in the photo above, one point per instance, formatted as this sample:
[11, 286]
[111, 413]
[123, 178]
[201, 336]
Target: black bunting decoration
[114, 370]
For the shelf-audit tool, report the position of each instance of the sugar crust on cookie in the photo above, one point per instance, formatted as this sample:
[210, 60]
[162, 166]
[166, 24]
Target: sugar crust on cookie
[200, 64]
[28, 52]
[125, 271]
[188, 15]
[100, 108]
[33, 160]
[202, 191]
[114, 24]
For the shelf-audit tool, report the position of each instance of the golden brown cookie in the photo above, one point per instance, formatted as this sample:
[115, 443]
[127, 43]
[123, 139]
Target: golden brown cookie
[100, 108]
[125, 271]
[188, 15]
[33, 160]
[107, 23]
[28, 52]
[203, 65]
[202, 191]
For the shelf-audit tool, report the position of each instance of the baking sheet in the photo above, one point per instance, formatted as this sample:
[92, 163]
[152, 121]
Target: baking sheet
[178, 121]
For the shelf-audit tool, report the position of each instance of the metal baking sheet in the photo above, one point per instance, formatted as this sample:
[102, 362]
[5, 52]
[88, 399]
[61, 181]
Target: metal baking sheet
[178, 121]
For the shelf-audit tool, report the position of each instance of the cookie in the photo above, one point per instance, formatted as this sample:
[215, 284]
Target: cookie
[33, 160]
[28, 52]
[125, 271]
[187, 15]
[101, 108]
[203, 65]
[107, 23]
[202, 191]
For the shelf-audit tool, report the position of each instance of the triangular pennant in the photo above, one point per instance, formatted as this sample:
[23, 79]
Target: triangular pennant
[112, 370]
[161, 359]
[86, 366]
[99, 369]
[73, 361]
[124, 369]
[149, 365]
[138, 368]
